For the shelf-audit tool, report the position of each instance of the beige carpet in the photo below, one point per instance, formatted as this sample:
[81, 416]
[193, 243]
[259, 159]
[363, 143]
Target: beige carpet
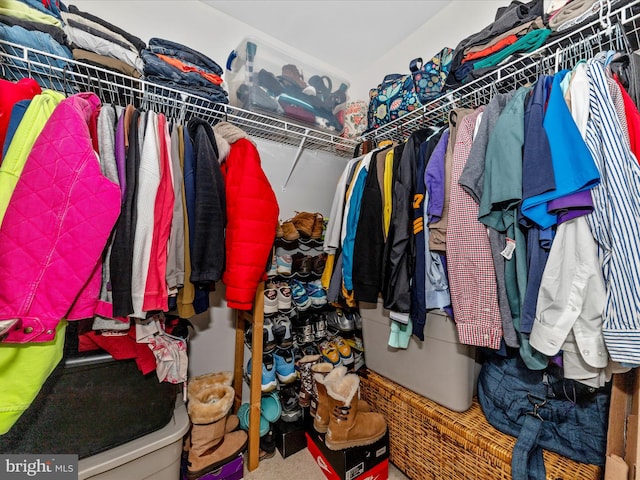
[299, 466]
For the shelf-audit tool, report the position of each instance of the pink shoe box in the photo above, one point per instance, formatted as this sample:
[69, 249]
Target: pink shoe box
[233, 470]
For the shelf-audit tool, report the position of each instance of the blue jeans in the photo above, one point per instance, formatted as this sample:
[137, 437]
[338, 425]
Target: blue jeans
[184, 53]
[46, 77]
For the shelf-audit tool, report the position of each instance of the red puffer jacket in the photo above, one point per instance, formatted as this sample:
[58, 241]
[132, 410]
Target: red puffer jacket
[252, 217]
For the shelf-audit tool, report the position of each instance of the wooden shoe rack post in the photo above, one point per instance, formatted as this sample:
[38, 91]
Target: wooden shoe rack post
[257, 318]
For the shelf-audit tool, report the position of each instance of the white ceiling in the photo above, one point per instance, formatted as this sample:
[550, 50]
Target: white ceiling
[346, 34]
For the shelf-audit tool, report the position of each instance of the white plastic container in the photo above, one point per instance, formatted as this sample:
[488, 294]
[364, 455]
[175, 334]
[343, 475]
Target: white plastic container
[262, 78]
[155, 456]
[440, 368]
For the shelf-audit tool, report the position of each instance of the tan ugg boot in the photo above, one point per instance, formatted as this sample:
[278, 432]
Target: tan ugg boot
[347, 426]
[323, 402]
[208, 379]
[203, 381]
[211, 447]
[321, 370]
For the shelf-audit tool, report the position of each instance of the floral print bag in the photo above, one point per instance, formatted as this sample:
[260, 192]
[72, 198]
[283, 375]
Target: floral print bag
[393, 98]
[429, 78]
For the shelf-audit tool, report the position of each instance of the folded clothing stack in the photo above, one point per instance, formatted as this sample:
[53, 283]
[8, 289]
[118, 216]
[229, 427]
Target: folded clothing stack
[32, 24]
[102, 44]
[180, 67]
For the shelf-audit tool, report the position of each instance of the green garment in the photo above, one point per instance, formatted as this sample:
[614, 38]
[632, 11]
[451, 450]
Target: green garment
[528, 43]
[22, 11]
[400, 334]
[499, 209]
[34, 120]
[24, 367]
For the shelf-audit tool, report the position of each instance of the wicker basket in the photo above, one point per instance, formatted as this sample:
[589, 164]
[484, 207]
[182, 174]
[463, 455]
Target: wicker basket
[428, 441]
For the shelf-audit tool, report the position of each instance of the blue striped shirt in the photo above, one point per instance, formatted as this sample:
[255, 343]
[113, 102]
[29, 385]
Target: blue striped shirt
[615, 221]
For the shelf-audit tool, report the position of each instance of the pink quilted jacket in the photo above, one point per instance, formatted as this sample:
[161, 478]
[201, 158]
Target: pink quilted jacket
[56, 227]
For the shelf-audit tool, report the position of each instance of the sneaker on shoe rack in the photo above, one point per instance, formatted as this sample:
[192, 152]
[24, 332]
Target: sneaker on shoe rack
[291, 410]
[301, 264]
[356, 317]
[346, 355]
[338, 320]
[303, 329]
[284, 297]
[269, 342]
[301, 351]
[330, 353]
[320, 331]
[270, 300]
[282, 328]
[316, 293]
[268, 382]
[285, 369]
[273, 268]
[283, 264]
[318, 263]
[299, 294]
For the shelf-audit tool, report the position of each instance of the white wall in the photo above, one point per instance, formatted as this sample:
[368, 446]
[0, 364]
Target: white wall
[447, 28]
[313, 182]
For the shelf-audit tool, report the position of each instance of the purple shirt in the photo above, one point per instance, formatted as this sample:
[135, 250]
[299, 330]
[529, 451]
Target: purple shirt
[434, 179]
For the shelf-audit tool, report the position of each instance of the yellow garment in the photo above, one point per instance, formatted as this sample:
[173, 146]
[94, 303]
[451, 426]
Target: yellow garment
[16, 9]
[24, 367]
[34, 120]
[386, 194]
[325, 280]
[349, 297]
[187, 293]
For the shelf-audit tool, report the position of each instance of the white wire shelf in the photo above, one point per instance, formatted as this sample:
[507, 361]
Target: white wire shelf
[619, 29]
[71, 76]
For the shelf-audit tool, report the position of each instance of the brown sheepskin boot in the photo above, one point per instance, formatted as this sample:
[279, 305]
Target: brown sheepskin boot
[211, 445]
[319, 369]
[347, 426]
[203, 381]
[324, 402]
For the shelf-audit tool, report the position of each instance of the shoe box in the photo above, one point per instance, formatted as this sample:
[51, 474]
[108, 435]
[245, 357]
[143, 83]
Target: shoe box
[452, 383]
[357, 463]
[290, 436]
[232, 470]
[261, 77]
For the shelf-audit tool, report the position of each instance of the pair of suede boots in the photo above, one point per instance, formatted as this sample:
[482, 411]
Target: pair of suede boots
[214, 439]
[335, 407]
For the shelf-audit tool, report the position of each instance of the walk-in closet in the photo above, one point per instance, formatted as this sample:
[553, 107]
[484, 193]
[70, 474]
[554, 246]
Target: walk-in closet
[284, 240]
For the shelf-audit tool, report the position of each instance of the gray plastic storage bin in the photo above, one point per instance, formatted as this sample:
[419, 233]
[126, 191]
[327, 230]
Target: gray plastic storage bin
[440, 368]
[155, 456]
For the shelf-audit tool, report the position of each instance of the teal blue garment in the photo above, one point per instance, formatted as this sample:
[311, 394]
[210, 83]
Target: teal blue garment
[528, 43]
[400, 334]
[352, 223]
[499, 204]
[574, 169]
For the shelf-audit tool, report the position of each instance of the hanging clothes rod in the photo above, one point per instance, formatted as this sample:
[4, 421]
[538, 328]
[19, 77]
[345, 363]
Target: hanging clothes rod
[618, 29]
[71, 76]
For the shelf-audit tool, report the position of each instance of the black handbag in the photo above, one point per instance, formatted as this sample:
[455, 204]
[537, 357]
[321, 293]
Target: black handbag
[543, 410]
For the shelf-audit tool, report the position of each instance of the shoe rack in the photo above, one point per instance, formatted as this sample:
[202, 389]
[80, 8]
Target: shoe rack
[257, 318]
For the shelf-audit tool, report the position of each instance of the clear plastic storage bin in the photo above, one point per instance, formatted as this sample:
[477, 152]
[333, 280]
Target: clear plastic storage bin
[261, 78]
